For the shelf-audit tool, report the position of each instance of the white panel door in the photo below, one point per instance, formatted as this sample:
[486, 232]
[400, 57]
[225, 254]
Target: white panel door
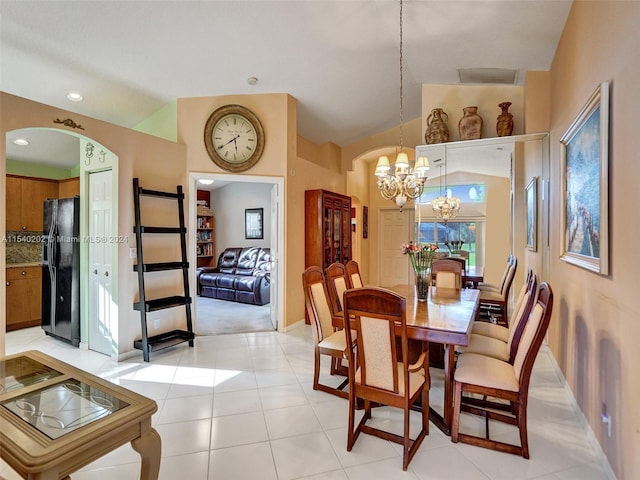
[273, 242]
[395, 229]
[101, 306]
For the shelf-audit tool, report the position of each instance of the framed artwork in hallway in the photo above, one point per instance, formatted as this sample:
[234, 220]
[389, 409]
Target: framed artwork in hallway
[584, 154]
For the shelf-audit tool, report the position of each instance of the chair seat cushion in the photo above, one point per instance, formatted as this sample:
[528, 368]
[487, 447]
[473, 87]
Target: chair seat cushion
[491, 330]
[492, 295]
[476, 369]
[416, 379]
[491, 347]
[335, 341]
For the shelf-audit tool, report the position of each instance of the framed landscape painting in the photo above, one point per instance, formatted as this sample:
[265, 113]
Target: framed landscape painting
[531, 199]
[584, 154]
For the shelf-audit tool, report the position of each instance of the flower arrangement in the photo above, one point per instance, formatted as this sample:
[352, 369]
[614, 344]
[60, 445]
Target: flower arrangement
[420, 255]
[453, 245]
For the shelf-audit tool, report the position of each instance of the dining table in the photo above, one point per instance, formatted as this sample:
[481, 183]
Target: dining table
[472, 275]
[446, 318]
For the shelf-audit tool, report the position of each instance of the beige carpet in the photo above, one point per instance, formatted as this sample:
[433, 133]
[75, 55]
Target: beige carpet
[216, 317]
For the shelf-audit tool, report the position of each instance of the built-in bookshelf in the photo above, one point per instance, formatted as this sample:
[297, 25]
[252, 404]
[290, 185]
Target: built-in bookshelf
[205, 238]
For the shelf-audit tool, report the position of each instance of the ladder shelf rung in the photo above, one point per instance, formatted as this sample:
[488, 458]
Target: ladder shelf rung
[144, 229]
[156, 193]
[165, 340]
[161, 266]
[162, 303]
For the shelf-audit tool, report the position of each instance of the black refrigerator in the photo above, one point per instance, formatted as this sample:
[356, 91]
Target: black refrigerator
[61, 269]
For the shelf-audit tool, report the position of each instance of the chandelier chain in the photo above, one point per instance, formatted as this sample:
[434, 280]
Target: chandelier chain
[401, 81]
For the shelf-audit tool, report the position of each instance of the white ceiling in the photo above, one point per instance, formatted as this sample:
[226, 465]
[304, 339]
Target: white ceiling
[338, 58]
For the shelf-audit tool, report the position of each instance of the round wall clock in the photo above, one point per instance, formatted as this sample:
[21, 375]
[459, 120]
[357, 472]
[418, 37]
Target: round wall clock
[234, 138]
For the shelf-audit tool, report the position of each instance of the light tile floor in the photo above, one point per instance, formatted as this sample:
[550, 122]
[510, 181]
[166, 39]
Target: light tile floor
[241, 406]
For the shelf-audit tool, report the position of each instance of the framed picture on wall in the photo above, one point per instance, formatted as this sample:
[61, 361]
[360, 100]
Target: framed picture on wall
[531, 205]
[365, 222]
[584, 155]
[253, 224]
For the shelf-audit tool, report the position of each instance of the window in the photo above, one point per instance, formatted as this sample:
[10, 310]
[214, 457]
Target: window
[441, 232]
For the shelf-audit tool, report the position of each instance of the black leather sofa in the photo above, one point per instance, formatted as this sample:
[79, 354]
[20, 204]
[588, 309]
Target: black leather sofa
[242, 275]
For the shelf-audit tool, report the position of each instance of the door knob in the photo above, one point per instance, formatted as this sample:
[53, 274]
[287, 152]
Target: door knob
[8, 283]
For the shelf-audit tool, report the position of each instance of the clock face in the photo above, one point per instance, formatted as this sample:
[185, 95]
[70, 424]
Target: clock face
[234, 138]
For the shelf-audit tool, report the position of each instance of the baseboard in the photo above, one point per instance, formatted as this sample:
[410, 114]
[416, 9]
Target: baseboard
[293, 326]
[593, 441]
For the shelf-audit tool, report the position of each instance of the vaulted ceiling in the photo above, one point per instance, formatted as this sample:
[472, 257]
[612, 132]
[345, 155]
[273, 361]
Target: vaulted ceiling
[338, 58]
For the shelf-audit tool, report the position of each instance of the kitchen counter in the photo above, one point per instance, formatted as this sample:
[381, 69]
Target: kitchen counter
[24, 265]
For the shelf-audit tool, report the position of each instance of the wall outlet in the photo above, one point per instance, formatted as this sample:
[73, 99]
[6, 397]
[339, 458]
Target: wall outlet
[132, 253]
[156, 324]
[606, 419]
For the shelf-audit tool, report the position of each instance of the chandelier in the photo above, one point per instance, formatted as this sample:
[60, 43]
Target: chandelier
[405, 182]
[445, 206]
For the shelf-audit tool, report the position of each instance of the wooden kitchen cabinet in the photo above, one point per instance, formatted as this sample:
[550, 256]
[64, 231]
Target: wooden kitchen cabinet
[69, 187]
[24, 297]
[25, 199]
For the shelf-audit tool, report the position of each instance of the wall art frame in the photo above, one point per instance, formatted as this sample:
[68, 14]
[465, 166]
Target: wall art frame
[584, 158]
[531, 214]
[365, 221]
[253, 224]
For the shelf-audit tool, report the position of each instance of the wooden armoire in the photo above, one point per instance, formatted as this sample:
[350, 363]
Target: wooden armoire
[327, 228]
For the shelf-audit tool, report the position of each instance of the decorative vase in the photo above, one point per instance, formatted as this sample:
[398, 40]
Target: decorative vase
[504, 127]
[470, 125]
[423, 282]
[437, 129]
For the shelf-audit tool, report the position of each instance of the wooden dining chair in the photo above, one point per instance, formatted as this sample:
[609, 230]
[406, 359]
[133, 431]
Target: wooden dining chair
[327, 340]
[353, 273]
[374, 314]
[498, 286]
[494, 304]
[496, 381]
[337, 283]
[491, 328]
[446, 273]
[498, 348]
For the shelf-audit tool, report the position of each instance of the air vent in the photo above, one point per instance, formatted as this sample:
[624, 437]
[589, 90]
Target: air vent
[488, 75]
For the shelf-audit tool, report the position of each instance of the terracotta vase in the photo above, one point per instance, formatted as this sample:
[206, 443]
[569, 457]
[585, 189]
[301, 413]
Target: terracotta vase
[437, 129]
[470, 125]
[504, 126]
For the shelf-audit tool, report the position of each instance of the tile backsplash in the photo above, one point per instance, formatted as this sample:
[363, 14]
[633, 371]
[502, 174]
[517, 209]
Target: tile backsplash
[23, 247]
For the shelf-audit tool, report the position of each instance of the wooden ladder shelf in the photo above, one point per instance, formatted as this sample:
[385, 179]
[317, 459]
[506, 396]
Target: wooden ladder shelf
[145, 305]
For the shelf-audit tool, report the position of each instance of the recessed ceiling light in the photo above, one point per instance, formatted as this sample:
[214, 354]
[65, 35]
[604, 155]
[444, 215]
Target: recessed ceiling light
[75, 97]
[21, 141]
[205, 181]
[252, 80]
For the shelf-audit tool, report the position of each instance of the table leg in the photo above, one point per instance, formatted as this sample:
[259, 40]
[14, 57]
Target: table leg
[449, 367]
[149, 446]
[444, 422]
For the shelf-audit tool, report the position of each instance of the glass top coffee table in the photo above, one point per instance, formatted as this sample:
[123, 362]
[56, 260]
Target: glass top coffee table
[56, 418]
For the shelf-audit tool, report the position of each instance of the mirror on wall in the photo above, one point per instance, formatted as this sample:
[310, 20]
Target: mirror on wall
[488, 176]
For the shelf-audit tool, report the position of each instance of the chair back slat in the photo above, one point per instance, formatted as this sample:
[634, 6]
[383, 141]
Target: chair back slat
[317, 302]
[353, 272]
[337, 284]
[376, 341]
[447, 280]
[533, 334]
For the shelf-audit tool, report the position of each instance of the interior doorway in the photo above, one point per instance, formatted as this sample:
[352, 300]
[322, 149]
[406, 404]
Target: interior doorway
[231, 220]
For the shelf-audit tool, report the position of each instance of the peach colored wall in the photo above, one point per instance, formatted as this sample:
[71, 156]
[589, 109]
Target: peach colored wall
[595, 327]
[536, 102]
[158, 162]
